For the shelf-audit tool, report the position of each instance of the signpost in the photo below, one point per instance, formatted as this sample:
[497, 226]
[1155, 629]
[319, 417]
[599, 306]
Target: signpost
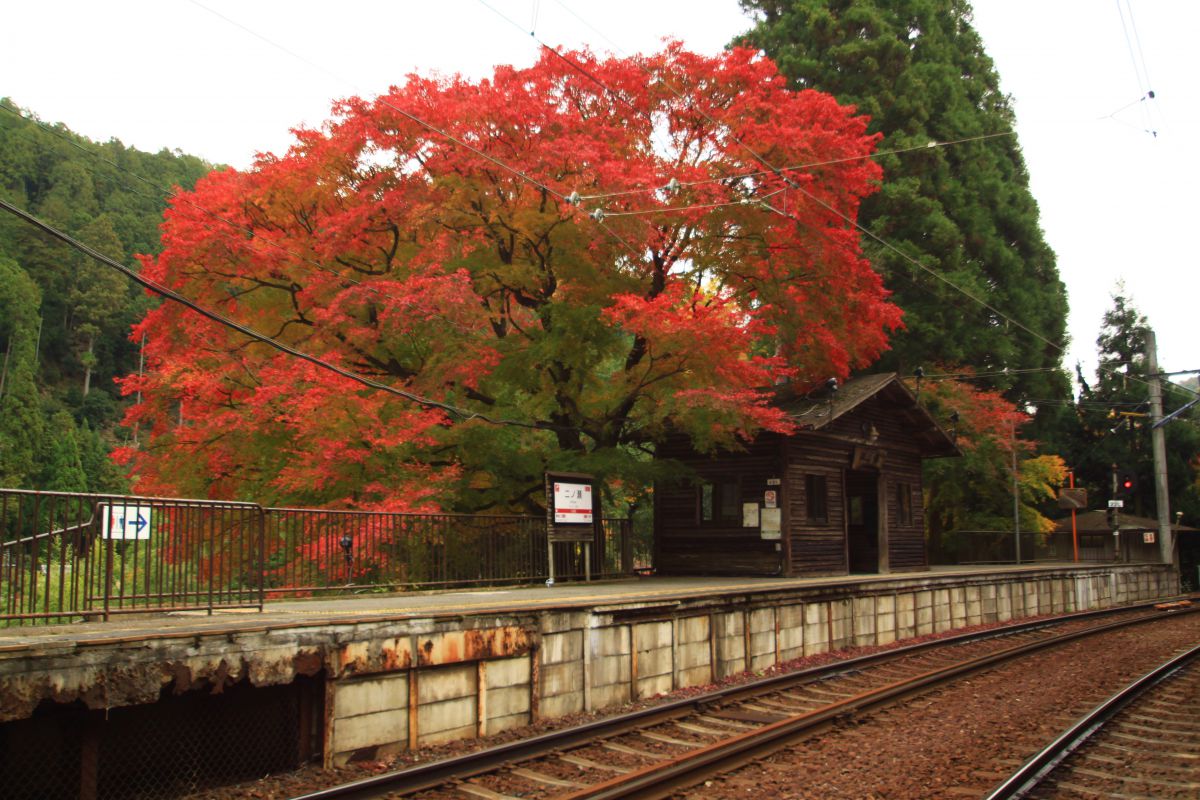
[572, 515]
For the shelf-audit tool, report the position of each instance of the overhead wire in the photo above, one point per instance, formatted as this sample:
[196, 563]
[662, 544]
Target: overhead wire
[599, 214]
[853, 222]
[698, 206]
[184, 198]
[930, 145]
[778, 172]
[388, 104]
[992, 374]
[558, 194]
[1141, 74]
[170, 294]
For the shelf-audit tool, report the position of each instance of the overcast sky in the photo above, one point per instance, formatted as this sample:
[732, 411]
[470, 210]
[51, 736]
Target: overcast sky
[224, 80]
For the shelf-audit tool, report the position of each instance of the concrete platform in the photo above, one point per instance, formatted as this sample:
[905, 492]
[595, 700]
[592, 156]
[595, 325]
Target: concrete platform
[400, 671]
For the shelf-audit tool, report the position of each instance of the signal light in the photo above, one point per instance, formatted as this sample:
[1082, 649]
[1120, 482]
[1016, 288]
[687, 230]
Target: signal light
[1127, 483]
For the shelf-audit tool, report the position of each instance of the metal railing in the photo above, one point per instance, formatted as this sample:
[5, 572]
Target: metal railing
[998, 547]
[311, 551]
[66, 557]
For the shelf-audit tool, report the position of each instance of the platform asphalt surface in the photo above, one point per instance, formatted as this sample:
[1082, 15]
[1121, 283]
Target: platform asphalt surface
[353, 608]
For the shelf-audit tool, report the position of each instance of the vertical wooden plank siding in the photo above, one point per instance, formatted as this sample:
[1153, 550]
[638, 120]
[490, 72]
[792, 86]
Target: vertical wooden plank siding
[686, 544]
[879, 425]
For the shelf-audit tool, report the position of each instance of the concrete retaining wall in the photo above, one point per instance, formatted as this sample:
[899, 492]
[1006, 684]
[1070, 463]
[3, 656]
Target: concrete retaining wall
[400, 682]
[582, 660]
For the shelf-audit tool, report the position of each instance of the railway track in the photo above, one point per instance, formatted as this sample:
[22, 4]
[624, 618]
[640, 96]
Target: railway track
[659, 751]
[1141, 743]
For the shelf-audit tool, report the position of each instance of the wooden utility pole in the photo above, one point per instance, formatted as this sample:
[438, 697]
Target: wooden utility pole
[1016, 493]
[1166, 543]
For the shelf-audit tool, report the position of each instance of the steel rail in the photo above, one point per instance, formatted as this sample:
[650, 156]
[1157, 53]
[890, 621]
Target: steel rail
[1031, 774]
[662, 780]
[423, 777]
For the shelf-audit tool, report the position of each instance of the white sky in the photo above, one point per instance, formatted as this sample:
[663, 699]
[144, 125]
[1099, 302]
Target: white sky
[1114, 198]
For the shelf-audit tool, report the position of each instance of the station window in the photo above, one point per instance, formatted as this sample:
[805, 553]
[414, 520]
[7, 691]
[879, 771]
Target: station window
[816, 495]
[720, 501]
[904, 506]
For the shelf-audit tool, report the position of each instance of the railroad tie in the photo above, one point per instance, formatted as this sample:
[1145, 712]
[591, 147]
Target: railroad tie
[587, 763]
[475, 790]
[634, 751]
[771, 707]
[822, 692]
[727, 723]
[658, 737]
[548, 780]
[702, 730]
[743, 715]
[1168, 754]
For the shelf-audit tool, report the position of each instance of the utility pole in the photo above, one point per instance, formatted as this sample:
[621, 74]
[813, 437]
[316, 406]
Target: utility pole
[1016, 492]
[1166, 543]
[1114, 517]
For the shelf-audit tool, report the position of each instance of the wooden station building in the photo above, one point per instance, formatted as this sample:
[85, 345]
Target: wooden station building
[840, 495]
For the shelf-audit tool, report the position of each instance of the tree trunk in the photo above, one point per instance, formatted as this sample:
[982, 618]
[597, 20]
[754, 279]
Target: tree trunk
[4, 371]
[87, 367]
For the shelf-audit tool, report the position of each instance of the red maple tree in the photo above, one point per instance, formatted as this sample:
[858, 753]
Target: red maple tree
[602, 250]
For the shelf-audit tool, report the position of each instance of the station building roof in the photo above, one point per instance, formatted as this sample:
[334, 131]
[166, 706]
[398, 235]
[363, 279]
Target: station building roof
[822, 407]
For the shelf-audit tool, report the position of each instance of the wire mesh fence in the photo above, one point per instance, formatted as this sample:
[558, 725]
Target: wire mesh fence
[176, 747]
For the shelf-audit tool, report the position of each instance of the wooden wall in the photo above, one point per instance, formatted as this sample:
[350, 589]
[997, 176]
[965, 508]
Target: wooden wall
[906, 544]
[684, 544]
[902, 464]
[817, 548]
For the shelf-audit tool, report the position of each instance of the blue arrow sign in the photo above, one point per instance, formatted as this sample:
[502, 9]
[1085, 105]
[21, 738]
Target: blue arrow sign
[127, 522]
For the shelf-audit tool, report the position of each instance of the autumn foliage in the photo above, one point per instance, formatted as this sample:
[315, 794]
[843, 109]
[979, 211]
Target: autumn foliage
[974, 493]
[602, 250]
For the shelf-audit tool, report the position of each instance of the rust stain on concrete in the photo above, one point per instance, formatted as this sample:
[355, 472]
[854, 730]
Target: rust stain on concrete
[375, 655]
[457, 647]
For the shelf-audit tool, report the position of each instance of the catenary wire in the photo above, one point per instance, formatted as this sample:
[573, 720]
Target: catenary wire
[466, 415]
[402, 112]
[414, 118]
[776, 171]
[164, 193]
[809, 165]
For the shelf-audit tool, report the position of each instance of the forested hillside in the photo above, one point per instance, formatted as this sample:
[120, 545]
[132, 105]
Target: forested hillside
[65, 320]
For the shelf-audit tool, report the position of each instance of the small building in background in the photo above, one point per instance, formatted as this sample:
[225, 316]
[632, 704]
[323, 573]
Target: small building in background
[840, 495]
[1136, 541]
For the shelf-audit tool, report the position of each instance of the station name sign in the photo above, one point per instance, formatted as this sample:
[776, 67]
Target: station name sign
[573, 503]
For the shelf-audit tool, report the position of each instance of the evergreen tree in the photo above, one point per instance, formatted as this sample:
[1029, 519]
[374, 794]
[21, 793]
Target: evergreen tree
[62, 464]
[100, 472]
[21, 422]
[919, 69]
[1115, 425]
[98, 294]
[64, 319]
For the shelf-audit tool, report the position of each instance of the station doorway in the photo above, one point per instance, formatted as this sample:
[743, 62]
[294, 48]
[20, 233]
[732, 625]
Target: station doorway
[862, 521]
